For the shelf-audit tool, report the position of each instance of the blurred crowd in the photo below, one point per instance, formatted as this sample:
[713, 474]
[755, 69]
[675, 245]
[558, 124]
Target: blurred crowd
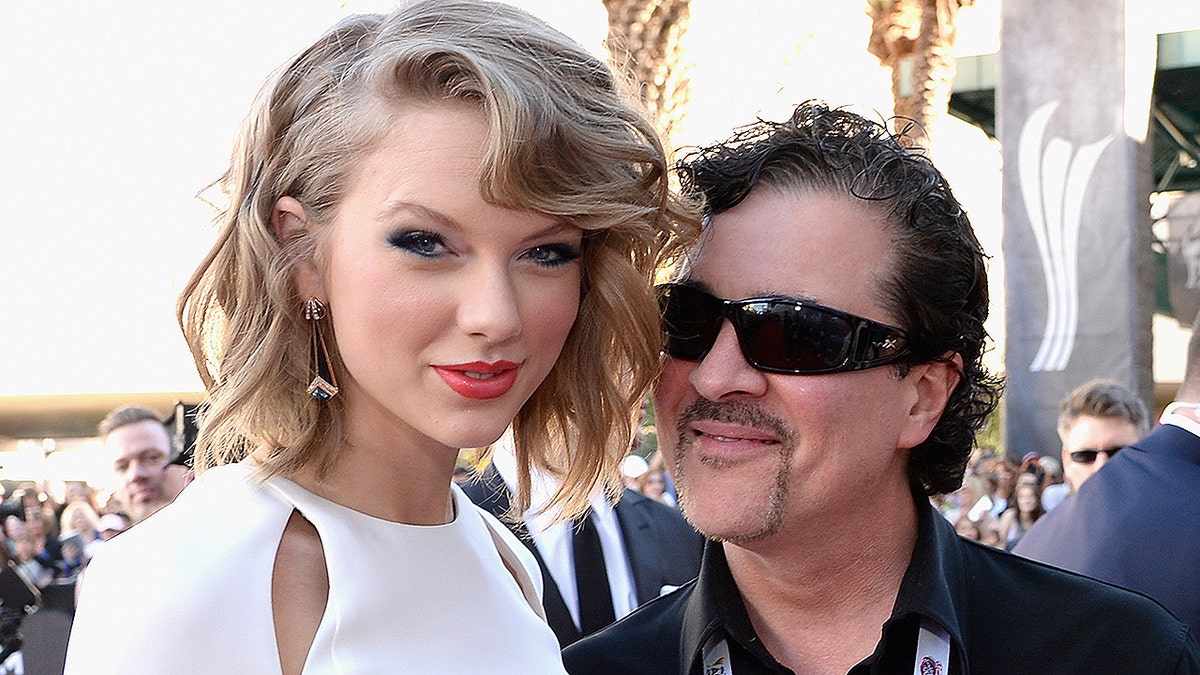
[51, 531]
[1000, 500]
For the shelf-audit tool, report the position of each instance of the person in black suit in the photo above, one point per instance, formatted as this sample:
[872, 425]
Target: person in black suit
[661, 551]
[1134, 523]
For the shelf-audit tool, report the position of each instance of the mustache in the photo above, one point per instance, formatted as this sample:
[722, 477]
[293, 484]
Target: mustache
[744, 413]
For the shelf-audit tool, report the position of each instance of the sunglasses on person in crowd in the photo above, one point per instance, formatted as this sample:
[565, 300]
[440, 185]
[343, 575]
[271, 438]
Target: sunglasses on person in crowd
[777, 334]
[1088, 455]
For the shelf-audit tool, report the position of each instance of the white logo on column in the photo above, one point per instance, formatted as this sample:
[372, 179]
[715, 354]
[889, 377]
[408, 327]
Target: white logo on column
[1054, 178]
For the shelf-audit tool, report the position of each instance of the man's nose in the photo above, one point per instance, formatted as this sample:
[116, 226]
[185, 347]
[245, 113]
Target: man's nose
[139, 469]
[724, 371]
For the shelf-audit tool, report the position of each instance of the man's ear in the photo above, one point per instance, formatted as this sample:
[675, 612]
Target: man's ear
[295, 234]
[933, 383]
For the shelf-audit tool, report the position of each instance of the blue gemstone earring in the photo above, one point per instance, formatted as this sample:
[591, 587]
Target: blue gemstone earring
[324, 384]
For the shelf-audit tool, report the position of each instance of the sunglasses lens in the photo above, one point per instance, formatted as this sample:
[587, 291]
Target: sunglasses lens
[691, 321]
[1084, 456]
[1089, 456]
[791, 337]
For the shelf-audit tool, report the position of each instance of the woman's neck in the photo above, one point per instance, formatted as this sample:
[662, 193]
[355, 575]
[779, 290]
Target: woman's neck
[390, 477]
[383, 494]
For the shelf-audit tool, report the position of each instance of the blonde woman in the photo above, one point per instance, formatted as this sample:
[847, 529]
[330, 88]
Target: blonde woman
[80, 518]
[442, 221]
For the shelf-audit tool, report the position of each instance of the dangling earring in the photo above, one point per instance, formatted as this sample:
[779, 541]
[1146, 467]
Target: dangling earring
[324, 384]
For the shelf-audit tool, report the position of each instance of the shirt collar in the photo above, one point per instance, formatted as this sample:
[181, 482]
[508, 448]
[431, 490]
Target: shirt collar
[542, 487]
[934, 578]
[1173, 416]
[715, 594]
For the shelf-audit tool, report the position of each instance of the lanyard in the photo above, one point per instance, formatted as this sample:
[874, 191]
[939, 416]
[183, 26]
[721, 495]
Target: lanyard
[716, 655]
[933, 652]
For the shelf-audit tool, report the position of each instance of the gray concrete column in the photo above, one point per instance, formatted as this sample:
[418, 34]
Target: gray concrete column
[1073, 98]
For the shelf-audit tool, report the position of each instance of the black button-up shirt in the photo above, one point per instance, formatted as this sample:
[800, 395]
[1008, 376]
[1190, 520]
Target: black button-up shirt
[1004, 614]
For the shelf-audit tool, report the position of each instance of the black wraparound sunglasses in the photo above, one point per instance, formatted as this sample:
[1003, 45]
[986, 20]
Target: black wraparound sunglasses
[1088, 455]
[777, 334]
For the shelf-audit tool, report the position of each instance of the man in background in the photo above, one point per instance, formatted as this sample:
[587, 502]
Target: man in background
[1094, 422]
[1137, 523]
[139, 446]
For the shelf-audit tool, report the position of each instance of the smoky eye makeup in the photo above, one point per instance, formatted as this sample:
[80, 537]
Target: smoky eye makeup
[419, 242]
[554, 255]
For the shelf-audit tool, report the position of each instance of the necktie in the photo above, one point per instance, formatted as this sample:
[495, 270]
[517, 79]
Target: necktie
[591, 578]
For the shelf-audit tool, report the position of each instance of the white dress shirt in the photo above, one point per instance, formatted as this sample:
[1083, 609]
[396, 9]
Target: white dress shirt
[554, 542]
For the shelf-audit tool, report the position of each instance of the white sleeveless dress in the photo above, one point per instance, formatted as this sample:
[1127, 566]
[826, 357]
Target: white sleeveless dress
[189, 590]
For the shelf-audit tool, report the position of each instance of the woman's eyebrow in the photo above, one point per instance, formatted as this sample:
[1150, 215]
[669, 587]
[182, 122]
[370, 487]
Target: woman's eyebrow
[394, 208]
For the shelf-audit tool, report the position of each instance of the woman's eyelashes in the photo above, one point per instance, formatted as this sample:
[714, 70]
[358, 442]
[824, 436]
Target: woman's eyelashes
[431, 245]
[419, 242]
[553, 255]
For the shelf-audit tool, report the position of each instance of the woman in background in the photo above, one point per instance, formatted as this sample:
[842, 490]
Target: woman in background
[440, 220]
[1023, 513]
[79, 518]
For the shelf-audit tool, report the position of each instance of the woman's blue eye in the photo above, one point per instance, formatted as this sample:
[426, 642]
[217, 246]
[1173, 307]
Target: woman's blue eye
[424, 244]
[553, 255]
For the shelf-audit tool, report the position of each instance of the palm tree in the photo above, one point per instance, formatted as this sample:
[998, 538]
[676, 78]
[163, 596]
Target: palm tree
[915, 38]
[643, 41]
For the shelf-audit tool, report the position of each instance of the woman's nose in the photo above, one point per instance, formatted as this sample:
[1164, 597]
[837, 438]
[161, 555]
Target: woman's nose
[488, 306]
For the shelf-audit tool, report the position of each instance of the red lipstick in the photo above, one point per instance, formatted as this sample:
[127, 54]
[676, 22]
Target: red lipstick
[478, 380]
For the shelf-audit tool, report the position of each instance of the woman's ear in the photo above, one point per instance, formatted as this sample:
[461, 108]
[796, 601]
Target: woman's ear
[295, 234]
[933, 383]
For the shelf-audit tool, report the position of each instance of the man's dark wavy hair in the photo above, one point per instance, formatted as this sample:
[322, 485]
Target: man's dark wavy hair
[938, 290]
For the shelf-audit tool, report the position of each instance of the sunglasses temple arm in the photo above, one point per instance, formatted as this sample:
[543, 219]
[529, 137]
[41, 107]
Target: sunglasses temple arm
[874, 346]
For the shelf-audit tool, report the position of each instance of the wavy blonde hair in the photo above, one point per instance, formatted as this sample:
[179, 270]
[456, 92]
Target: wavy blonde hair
[564, 139]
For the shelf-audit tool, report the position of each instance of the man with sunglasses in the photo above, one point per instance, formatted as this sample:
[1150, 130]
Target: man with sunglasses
[823, 377]
[1095, 421]
[1137, 523]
